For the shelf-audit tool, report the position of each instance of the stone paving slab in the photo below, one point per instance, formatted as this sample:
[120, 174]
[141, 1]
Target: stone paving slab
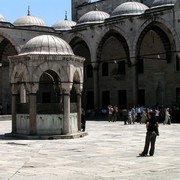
[109, 152]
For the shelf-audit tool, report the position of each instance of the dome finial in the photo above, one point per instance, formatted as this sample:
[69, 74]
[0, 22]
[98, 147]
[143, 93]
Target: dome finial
[96, 7]
[65, 15]
[29, 10]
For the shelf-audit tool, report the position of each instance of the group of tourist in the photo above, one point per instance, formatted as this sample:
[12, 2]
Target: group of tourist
[139, 114]
[112, 113]
[151, 116]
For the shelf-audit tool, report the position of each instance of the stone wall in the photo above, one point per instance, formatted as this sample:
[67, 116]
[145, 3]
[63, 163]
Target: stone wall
[46, 124]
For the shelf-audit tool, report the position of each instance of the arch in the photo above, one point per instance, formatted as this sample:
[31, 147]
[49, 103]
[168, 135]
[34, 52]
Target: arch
[115, 29]
[121, 39]
[78, 37]
[49, 87]
[80, 48]
[78, 75]
[59, 70]
[76, 41]
[6, 49]
[12, 41]
[162, 36]
[19, 74]
[76, 82]
[54, 77]
[156, 25]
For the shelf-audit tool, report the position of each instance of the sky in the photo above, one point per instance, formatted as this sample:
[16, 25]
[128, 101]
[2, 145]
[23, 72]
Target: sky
[51, 11]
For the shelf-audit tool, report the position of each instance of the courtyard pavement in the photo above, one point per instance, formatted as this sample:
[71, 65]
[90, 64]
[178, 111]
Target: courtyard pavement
[109, 152]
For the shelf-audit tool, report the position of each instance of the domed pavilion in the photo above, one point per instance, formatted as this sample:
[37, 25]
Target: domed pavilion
[46, 80]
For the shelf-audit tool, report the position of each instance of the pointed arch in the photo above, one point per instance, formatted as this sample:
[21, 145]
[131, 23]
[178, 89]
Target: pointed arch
[121, 39]
[19, 74]
[45, 67]
[9, 39]
[165, 32]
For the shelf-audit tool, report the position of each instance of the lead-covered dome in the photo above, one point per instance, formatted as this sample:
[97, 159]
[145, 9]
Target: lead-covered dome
[93, 17]
[29, 21]
[47, 44]
[129, 8]
[163, 3]
[2, 19]
[64, 25]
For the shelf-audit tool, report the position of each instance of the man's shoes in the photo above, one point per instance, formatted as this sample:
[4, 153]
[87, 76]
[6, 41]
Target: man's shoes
[142, 154]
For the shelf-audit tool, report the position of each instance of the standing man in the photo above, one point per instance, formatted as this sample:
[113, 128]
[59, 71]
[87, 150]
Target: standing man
[83, 120]
[152, 127]
[110, 113]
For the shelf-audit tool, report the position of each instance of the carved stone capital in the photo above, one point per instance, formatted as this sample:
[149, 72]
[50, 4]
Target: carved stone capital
[14, 88]
[32, 87]
[66, 87]
[78, 88]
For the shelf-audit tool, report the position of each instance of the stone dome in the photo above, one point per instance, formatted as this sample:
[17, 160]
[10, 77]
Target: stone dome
[64, 25]
[47, 44]
[129, 8]
[2, 19]
[29, 21]
[163, 3]
[93, 17]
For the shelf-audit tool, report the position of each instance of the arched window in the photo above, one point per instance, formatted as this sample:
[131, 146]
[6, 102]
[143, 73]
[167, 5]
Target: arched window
[121, 68]
[140, 66]
[89, 71]
[105, 69]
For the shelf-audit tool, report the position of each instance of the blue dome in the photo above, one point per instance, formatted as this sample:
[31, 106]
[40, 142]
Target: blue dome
[129, 8]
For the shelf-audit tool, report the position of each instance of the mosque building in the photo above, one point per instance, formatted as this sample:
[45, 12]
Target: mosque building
[131, 51]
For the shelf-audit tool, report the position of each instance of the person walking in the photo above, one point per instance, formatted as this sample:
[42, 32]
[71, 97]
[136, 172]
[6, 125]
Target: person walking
[152, 132]
[143, 117]
[83, 120]
[125, 116]
[133, 114]
[129, 116]
[115, 113]
[110, 113]
[167, 117]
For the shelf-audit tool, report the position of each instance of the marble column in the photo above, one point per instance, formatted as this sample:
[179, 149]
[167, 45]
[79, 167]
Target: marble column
[32, 88]
[79, 111]
[134, 84]
[32, 114]
[79, 88]
[14, 112]
[14, 101]
[66, 87]
[96, 86]
[66, 122]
